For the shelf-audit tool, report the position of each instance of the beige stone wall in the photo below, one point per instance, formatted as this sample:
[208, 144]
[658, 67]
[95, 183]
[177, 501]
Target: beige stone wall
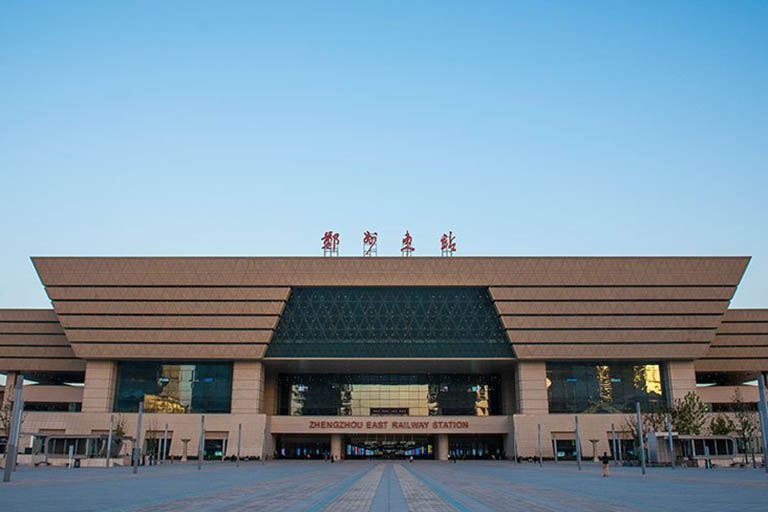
[180, 426]
[724, 394]
[531, 389]
[681, 379]
[100, 382]
[270, 392]
[247, 387]
[44, 393]
[562, 426]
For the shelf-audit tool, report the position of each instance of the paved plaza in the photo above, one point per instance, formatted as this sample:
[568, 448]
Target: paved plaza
[421, 486]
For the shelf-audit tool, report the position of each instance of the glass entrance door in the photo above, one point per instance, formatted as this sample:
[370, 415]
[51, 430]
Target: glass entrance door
[389, 447]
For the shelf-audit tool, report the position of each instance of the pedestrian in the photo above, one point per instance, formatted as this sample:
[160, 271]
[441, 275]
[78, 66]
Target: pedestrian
[605, 459]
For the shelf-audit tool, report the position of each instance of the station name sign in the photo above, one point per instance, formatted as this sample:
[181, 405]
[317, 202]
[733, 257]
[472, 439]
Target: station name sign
[383, 425]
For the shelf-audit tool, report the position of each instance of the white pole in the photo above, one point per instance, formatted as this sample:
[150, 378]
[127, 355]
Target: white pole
[201, 447]
[137, 443]
[578, 445]
[554, 447]
[109, 438]
[18, 432]
[671, 443]
[165, 444]
[539, 444]
[763, 407]
[640, 435]
[239, 433]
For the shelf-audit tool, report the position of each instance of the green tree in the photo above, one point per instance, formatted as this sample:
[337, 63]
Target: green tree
[746, 423]
[721, 425]
[689, 414]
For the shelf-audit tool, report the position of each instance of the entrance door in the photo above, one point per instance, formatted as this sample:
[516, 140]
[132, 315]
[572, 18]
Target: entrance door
[302, 447]
[389, 447]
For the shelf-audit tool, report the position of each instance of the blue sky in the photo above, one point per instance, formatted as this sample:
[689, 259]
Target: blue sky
[244, 128]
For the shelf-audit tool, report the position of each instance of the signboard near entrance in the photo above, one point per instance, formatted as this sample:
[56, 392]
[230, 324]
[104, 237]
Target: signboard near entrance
[389, 411]
[392, 424]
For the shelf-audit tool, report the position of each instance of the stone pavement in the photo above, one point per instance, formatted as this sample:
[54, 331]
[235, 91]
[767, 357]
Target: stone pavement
[423, 486]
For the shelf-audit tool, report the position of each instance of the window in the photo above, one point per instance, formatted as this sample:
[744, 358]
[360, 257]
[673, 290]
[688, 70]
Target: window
[53, 406]
[174, 387]
[402, 395]
[395, 321]
[604, 387]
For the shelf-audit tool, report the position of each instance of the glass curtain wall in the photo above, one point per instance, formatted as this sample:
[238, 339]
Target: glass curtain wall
[403, 395]
[174, 387]
[604, 387]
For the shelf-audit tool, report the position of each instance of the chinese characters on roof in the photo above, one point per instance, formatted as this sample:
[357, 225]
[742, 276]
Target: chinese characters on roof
[408, 247]
[370, 247]
[332, 242]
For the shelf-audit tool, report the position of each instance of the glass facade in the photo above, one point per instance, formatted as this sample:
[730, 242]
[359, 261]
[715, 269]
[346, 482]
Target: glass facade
[393, 321]
[604, 387]
[174, 387]
[405, 395]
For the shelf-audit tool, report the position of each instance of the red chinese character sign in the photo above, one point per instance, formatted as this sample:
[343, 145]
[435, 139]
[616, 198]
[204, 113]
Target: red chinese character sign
[331, 243]
[408, 247]
[448, 244]
[370, 243]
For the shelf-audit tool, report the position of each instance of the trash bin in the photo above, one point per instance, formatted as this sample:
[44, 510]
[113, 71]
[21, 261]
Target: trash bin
[77, 463]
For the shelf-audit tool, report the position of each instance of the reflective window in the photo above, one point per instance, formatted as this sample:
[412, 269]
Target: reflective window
[53, 406]
[174, 387]
[400, 395]
[604, 387]
[389, 321]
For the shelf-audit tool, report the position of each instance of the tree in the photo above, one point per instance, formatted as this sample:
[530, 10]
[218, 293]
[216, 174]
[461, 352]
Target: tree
[689, 414]
[746, 422]
[6, 418]
[721, 425]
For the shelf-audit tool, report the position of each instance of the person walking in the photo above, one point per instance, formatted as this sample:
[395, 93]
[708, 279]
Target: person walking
[606, 460]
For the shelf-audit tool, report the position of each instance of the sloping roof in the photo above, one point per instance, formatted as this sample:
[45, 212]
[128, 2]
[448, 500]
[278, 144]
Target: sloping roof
[228, 308]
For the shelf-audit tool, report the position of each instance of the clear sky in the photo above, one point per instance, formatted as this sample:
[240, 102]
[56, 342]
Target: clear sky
[243, 128]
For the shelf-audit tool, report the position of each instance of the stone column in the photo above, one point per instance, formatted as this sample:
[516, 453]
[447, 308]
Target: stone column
[681, 379]
[508, 392]
[247, 387]
[532, 388]
[442, 446]
[99, 389]
[185, 450]
[336, 446]
[594, 449]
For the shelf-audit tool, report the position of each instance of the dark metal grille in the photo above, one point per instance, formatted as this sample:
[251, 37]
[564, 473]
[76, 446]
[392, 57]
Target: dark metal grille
[389, 322]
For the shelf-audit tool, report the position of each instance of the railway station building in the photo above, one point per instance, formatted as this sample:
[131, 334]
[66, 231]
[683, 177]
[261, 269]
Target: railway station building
[303, 357]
